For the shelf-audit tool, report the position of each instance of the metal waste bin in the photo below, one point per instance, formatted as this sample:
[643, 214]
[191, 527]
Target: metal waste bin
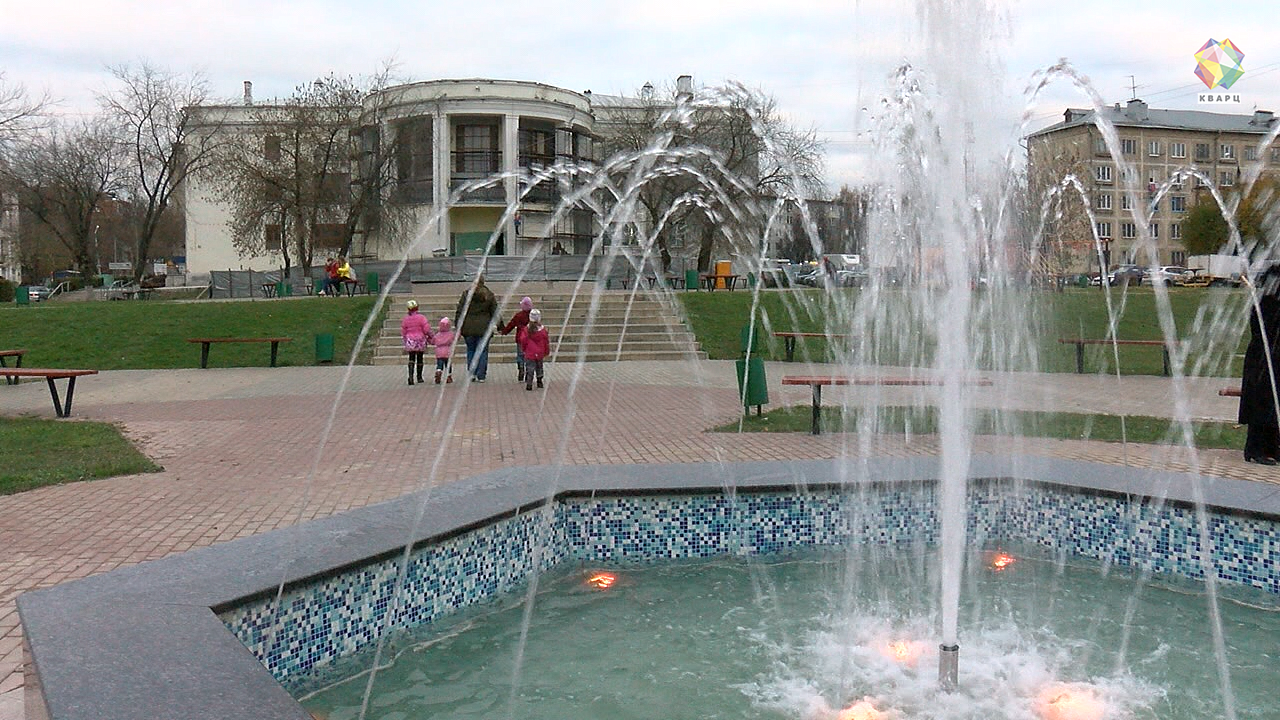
[752, 387]
[723, 267]
[690, 279]
[21, 295]
[324, 348]
[372, 283]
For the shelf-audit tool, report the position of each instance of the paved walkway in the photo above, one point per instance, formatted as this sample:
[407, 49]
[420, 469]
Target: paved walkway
[242, 455]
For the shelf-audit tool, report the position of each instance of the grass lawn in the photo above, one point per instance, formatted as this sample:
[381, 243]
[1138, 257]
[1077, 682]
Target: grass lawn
[1212, 320]
[152, 333]
[36, 452]
[924, 420]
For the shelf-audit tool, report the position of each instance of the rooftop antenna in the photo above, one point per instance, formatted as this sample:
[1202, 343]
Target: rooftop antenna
[1133, 88]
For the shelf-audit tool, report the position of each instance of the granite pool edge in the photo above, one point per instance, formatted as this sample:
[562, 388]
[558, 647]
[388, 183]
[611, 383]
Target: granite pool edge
[118, 645]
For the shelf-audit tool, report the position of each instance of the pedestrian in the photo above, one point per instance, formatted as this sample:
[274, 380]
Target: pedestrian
[415, 331]
[331, 279]
[518, 323]
[476, 318]
[1258, 380]
[443, 341]
[537, 346]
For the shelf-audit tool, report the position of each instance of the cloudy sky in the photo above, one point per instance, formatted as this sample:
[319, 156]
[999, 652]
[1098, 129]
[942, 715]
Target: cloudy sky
[826, 61]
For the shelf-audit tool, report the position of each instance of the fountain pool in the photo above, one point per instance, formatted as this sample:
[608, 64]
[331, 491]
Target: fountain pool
[199, 636]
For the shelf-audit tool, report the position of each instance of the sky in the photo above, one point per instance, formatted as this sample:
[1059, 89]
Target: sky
[826, 62]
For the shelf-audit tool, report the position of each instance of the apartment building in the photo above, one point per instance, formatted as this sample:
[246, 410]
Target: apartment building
[1161, 163]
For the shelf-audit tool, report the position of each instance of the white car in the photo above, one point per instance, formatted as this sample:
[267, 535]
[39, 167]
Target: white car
[1168, 275]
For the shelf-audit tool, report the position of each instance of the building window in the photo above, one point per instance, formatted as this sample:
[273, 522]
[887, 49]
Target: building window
[329, 236]
[475, 149]
[1129, 146]
[271, 148]
[273, 237]
[414, 160]
[1175, 233]
[1177, 150]
[1154, 206]
[1175, 180]
[1177, 203]
[1102, 173]
[1104, 201]
[1100, 146]
[1275, 154]
[1228, 152]
[1153, 148]
[1128, 175]
[1126, 202]
[1128, 230]
[537, 148]
[1202, 152]
[1155, 231]
[1250, 153]
[1179, 257]
[1104, 230]
[1226, 179]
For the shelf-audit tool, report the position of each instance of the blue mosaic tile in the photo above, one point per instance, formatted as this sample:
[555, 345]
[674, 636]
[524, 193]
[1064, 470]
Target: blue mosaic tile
[331, 618]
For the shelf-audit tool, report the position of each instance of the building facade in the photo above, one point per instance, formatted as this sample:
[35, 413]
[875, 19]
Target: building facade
[436, 143]
[1162, 163]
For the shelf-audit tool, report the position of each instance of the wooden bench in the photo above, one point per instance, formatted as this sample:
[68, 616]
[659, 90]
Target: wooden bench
[789, 340]
[1081, 342]
[206, 342]
[709, 281]
[60, 409]
[17, 363]
[818, 381]
[1229, 392]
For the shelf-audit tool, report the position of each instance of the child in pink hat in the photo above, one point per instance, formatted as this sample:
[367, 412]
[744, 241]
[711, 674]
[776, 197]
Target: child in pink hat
[443, 340]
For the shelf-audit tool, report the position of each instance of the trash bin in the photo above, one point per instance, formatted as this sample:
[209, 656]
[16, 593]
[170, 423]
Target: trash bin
[690, 279]
[105, 280]
[745, 336]
[21, 296]
[324, 348]
[1082, 281]
[756, 389]
[723, 267]
[372, 283]
[284, 289]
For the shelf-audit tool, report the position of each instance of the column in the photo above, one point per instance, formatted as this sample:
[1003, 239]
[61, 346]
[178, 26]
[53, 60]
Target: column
[511, 164]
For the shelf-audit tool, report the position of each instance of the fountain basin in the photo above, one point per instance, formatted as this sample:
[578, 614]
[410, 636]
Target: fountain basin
[192, 635]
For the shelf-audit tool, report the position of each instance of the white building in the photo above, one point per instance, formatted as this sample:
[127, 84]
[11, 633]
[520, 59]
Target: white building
[444, 134]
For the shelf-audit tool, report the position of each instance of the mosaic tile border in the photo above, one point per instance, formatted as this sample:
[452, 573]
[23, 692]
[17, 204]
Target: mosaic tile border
[337, 616]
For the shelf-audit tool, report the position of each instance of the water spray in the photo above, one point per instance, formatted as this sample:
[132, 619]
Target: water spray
[948, 666]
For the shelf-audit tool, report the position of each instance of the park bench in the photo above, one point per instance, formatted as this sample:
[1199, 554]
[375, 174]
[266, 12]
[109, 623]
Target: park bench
[1081, 342]
[789, 340]
[1229, 392]
[59, 408]
[17, 362]
[206, 342]
[710, 280]
[817, 382]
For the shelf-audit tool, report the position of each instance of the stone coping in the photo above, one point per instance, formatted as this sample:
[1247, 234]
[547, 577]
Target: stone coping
[145, 642]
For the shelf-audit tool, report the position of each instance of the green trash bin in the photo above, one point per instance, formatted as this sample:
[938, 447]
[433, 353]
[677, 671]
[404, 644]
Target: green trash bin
[21, 295]
[690, 279]
[752, 387]
[324, 348]
[372, 283]
[745, 336]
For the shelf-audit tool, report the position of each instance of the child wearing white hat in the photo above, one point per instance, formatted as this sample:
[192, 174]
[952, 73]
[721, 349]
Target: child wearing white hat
[536, 344]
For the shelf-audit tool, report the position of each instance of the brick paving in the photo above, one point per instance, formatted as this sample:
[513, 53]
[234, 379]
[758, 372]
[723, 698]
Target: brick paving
[242, 454]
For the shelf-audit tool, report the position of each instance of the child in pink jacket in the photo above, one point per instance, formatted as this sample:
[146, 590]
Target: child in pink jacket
[443, 340]
[415, 330]
[536, 344]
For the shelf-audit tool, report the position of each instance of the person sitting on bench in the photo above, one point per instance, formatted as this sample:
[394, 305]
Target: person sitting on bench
[345, 275]
[331, 279]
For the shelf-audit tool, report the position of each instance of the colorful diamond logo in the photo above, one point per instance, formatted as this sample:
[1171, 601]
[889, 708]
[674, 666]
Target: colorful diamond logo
[1218, 64]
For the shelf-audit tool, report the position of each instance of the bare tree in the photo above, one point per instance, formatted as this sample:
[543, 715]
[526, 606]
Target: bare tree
[288, 174]
[149, 105]
[64, 178]
[19, 112]
[730, 149]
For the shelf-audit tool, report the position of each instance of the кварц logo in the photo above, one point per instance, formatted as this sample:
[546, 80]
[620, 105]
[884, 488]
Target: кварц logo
[1218, 65]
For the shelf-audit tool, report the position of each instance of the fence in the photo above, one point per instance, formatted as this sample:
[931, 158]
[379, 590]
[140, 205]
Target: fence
[620, 269]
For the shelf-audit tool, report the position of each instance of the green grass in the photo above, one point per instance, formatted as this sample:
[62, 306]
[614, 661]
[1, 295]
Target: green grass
[152, 334]
[35, 453]
[1212, 319]
[924, 420]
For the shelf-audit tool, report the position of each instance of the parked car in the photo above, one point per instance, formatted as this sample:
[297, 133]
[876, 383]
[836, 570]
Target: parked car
[1126, 275]
[1167, 275]
[811, 277]
[38, 293]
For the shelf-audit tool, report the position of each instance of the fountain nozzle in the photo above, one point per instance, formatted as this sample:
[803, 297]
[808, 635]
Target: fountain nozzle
[948, 666]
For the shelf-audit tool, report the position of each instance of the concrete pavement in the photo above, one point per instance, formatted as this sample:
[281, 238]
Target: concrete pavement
[242, 448]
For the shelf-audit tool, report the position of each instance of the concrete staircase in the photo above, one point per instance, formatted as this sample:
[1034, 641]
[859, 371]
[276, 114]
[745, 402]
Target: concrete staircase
[643, 327]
